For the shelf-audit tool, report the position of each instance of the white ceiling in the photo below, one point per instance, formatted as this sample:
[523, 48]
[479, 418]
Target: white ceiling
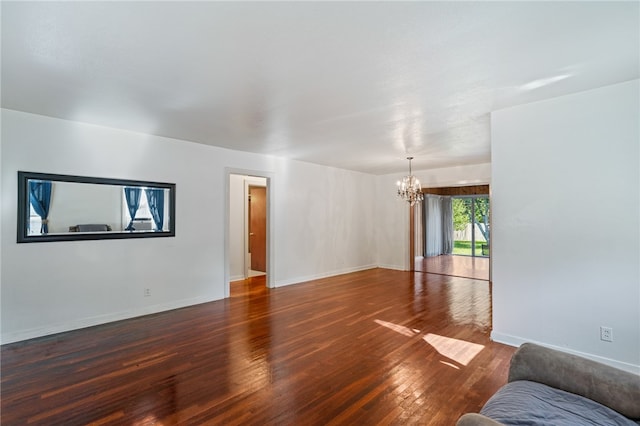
[355, 85]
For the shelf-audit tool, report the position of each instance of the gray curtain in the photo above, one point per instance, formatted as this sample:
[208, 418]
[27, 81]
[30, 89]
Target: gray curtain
[438, 225]
[447, 225]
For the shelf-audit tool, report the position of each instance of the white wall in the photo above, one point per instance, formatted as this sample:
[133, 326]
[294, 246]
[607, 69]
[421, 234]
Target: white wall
[564, 169]
[325, 221]
[392, 227]
[319, 228]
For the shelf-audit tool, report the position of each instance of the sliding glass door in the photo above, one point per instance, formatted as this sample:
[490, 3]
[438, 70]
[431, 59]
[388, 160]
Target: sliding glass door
[471, 225]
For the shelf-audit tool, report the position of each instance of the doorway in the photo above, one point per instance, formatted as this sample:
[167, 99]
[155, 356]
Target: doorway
[460, 230]
[248, 212]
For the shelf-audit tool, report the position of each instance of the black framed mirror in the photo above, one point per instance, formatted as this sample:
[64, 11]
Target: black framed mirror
[54, 207]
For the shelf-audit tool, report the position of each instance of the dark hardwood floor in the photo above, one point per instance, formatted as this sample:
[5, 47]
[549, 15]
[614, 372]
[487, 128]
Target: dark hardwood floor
[372, 347]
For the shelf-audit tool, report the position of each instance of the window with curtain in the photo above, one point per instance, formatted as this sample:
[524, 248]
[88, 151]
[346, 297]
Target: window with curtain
[438, 225]
[151, 213]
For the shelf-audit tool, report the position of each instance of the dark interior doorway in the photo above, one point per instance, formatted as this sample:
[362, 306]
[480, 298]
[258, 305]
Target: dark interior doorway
[257, 207]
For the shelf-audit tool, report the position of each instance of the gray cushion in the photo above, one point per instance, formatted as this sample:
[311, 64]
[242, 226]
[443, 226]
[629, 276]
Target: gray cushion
[617, 389]
[534, 404]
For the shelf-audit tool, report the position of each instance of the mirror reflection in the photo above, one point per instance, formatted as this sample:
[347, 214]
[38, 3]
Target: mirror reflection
[55, 207]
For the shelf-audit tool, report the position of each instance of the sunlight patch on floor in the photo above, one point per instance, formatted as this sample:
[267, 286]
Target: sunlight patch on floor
[405, 331]
[457, 350]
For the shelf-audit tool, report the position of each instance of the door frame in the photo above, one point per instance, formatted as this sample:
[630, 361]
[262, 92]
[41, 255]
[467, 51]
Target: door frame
[228, 171]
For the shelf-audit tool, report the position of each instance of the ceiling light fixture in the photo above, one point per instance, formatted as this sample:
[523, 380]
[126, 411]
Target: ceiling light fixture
[409, 188]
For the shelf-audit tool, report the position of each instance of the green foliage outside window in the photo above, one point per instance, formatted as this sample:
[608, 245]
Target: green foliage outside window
[462, 214]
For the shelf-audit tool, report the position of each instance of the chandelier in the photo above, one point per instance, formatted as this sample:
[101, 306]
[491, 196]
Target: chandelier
[409, 188]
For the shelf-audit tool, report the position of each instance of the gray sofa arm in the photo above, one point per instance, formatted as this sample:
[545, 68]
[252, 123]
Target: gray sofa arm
[617, 389]
[473, 419]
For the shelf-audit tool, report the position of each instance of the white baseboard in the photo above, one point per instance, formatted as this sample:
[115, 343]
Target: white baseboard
[236, 278]
[17, 336]
[393, 267]
[304, 279]
[516, 341]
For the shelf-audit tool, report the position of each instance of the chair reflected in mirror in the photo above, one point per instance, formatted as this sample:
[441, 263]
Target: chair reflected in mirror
[90, 228]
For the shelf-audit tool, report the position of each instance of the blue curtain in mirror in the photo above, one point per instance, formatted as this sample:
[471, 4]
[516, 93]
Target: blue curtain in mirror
[40, 198]
[155, 198]
[132, 196]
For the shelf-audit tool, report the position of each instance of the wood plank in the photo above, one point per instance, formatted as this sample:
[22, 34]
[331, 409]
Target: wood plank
[372, 347]
[458, 190]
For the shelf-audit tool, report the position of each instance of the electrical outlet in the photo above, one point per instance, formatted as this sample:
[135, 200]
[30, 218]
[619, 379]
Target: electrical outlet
[606, 334]
[147, 292]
